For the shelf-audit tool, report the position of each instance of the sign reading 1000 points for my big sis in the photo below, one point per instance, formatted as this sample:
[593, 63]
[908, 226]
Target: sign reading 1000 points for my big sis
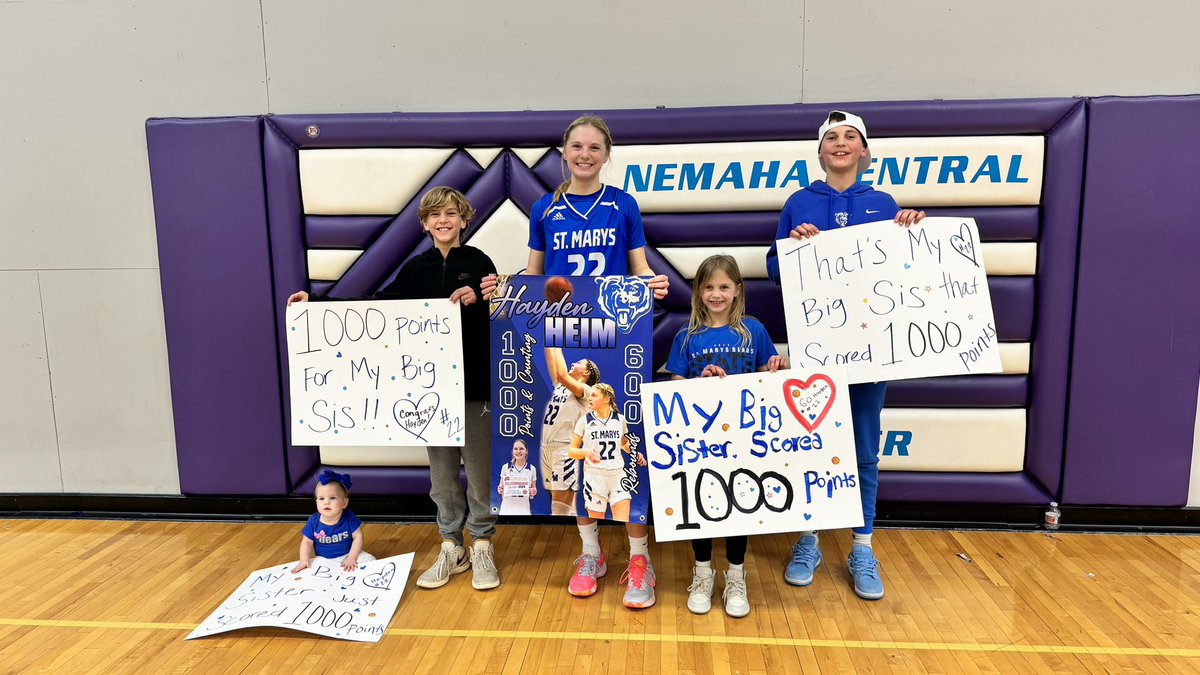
[380, 372]
[890, 303]
[751, 454]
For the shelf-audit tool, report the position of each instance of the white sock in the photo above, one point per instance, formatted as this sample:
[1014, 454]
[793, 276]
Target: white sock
[590, 534]
[640, 546]
[862, 539]
[706, 564]
[735, 568]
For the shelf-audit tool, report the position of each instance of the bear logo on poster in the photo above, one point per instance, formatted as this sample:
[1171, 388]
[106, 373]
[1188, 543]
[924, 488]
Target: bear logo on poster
[624, 300]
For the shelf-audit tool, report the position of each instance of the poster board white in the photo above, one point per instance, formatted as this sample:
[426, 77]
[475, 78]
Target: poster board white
[890, 303]
[751, 454]
[322, 599]
[379, 372]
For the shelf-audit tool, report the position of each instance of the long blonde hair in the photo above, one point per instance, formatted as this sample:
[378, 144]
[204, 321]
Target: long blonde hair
[594, 121]
[737, 309]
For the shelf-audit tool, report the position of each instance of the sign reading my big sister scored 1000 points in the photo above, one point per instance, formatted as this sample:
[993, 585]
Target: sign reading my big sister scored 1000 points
[890, 303]
[381, 372]
[751, 454]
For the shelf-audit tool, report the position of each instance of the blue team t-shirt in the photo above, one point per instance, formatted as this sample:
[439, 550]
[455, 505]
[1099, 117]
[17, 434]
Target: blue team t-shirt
[332, 541]
[587, 235]
[722, 347]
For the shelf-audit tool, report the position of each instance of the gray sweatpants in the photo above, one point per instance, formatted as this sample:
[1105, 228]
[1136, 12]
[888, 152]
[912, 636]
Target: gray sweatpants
[454, 507]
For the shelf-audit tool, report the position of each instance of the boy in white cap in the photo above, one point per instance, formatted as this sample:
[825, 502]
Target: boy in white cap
[841, 200]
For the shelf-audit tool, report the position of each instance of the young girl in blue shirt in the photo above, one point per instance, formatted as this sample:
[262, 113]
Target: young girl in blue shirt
[720, 340]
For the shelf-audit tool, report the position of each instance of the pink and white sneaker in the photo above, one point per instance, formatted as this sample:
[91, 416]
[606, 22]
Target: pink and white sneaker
[640, 577]
[588, 568]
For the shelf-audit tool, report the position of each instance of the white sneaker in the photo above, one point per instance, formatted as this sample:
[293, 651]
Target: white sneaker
[483, 566]
[452, 559]
[737, 604]
[701, 590]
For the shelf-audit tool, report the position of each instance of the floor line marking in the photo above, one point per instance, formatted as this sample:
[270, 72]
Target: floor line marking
[1091, 650]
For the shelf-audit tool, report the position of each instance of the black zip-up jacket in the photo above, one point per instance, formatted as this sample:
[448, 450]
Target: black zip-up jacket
[429, 275]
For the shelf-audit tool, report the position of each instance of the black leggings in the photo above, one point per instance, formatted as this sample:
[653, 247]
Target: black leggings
[735, 550]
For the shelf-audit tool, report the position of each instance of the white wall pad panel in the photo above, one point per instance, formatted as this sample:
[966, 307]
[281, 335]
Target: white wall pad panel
[761, 175]
[503, 236]
[1010, 258]
[949, 439]
[751, 260]
[329, 264]
[1014, 358]
[484, 156]
[77, 195]
[28, 442]
[530, 156]
[365, 181]
[108, 368]
[376, 455]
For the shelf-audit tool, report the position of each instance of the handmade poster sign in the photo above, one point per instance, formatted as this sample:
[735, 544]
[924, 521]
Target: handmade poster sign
[751, 454]
[890, 303]
[321, 599]
[571, 354]
[382, 372]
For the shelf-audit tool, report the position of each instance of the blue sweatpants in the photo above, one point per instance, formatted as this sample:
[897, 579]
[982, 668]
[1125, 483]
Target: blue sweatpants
[866, 403]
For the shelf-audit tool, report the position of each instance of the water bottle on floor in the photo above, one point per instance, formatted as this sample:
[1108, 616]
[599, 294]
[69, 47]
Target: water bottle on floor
[1052, 516]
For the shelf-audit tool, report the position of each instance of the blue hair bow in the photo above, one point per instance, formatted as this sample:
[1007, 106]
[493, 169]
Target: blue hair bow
[329, 475]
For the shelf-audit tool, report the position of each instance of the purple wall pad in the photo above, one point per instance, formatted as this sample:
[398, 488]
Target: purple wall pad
[1136, 354]
[285, 135]
[1013, 301]
[285, 219]
[403, 480]
[671, 125]
[1057, 257]
[216, 285]
[970, 488]
[343, 231]
[978, 391]
[998, 223]
[524, 187]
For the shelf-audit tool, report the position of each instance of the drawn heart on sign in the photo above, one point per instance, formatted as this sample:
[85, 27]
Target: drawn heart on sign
[415, 417]
[381, 579]
[809, 400]
[964, 244]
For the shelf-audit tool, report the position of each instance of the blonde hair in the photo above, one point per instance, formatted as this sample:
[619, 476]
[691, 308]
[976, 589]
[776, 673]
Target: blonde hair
[594, 121]
[439, 198]
[737, 309]
[608, 392]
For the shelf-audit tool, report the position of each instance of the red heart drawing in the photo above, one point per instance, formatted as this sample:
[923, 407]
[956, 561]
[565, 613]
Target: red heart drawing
[816, 405]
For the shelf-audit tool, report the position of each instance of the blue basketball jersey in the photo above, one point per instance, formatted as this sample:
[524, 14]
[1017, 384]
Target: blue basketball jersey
[587, 235]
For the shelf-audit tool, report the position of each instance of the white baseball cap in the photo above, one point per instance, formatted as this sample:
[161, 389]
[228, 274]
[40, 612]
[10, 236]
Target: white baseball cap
[853, 121]
[850, 120]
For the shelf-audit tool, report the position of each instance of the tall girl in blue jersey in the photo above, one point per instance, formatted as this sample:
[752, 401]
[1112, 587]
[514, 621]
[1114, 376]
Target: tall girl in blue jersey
[842, 201]
[588, 228]
[720, 340]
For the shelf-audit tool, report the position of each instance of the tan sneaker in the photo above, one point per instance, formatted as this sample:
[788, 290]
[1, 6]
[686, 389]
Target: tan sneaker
[452, 559]
[701, 590]
[483, 566]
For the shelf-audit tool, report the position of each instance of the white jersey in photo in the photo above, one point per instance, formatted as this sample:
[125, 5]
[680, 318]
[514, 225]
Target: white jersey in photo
[562, 411]
[603, 436]
[518, 483]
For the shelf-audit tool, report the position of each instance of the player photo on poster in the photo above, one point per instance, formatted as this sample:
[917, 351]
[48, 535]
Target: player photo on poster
[570, 354]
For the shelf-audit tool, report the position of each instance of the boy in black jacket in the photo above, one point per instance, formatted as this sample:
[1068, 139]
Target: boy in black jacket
[451, 269]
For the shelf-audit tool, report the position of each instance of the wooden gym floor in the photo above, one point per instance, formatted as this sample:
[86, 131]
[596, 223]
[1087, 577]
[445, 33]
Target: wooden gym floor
[119, 596]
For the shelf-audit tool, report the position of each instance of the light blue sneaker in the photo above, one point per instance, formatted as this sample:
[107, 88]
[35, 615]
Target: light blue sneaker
[806, 558]
[864, 570]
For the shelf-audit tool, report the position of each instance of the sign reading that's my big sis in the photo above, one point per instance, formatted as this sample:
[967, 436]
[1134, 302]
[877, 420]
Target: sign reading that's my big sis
[751, 454]
[888, 302]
